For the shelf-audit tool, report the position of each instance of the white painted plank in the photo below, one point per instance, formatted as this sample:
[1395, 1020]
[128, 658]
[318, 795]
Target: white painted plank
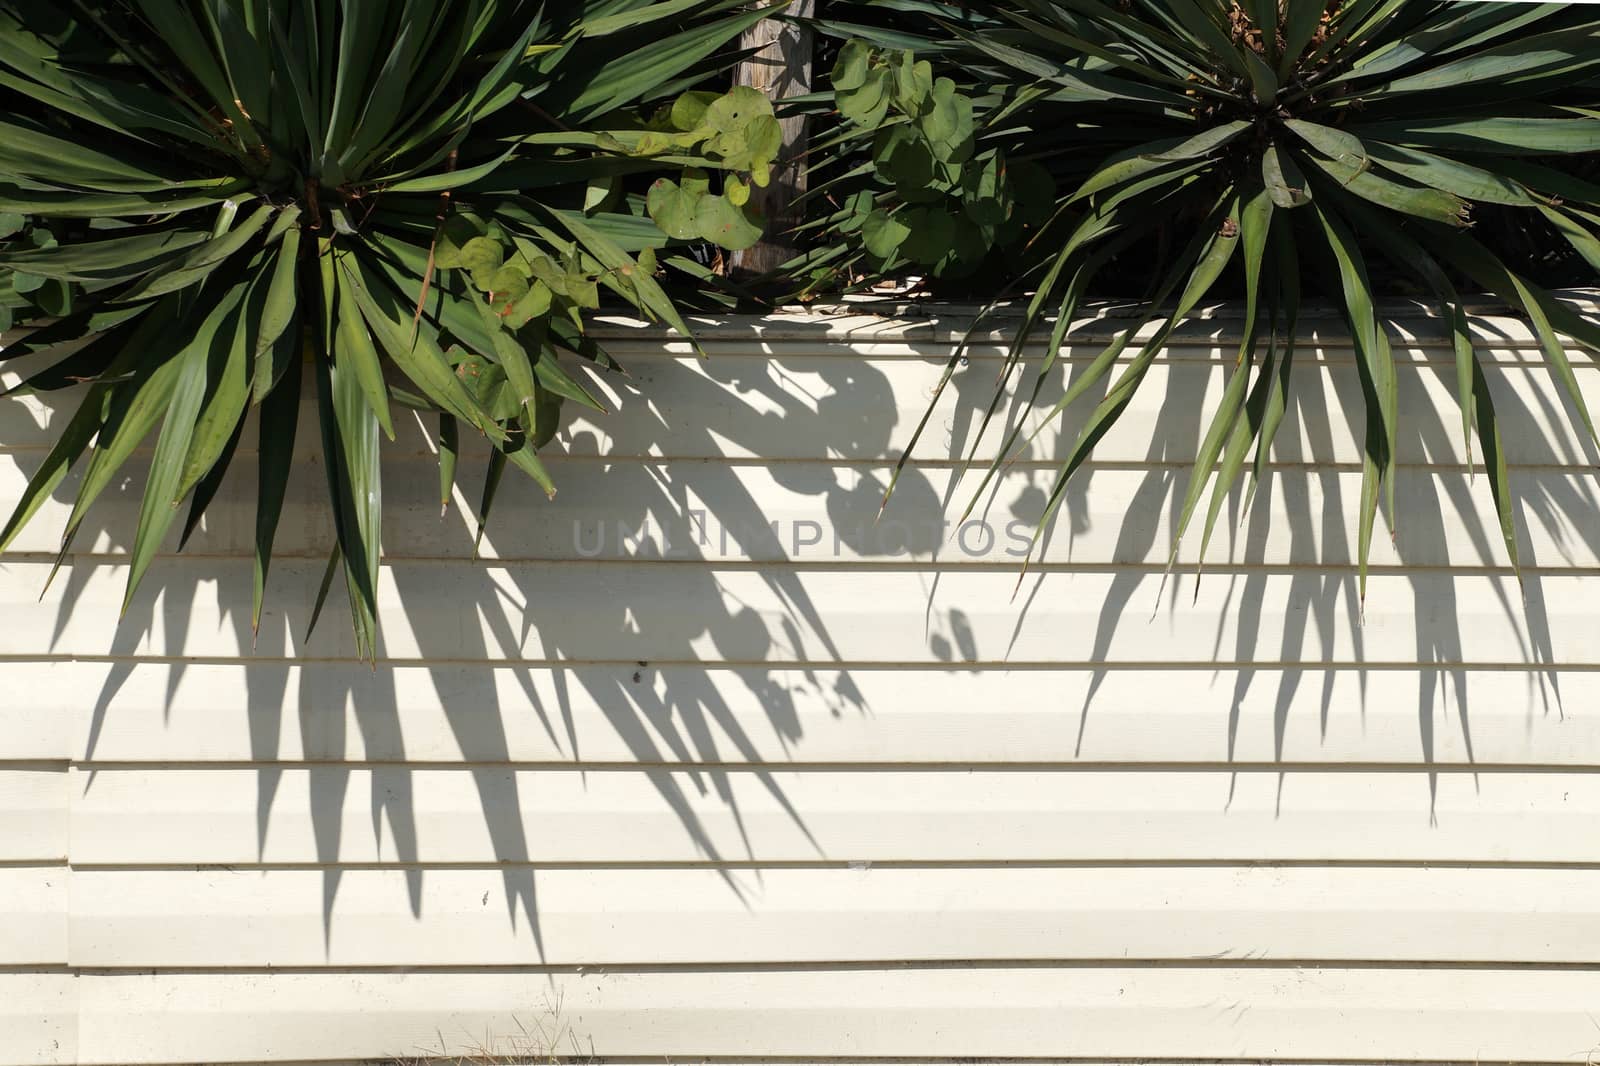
[823, 513]
[155, 712]
[865, 322]
[33, 915]
[1179, 1012]
[35, 723]
[33, 814]
[340, 814]
[465, 611]
[452, 917]
[38, 1018]
[764, 406]
[746, 403]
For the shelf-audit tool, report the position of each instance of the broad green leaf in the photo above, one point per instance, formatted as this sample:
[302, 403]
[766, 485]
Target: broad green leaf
[1284, 182]
[276, 323]
[161, 496]
[1376, 361]
[1410, 200]
[1334, 143]
[357, 358]
[449, 454]
[1471, 183]
[280, 416]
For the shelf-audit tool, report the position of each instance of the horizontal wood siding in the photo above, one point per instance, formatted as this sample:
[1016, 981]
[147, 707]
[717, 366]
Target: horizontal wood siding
[705, 760]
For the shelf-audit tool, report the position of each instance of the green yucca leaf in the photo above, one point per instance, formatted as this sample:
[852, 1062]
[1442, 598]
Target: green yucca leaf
[208, 194]
[280, 416]
[1376, 145]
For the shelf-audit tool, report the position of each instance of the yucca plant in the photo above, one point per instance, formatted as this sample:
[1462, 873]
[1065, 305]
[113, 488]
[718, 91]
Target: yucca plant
[414, 203]
[1280, 151]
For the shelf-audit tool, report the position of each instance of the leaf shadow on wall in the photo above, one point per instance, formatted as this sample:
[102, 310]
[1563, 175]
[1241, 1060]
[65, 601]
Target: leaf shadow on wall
[1303, 585]
[527, 680]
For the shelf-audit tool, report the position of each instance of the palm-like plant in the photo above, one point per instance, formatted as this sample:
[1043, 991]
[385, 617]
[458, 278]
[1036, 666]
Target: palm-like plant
[1292, 139]
[201, 200]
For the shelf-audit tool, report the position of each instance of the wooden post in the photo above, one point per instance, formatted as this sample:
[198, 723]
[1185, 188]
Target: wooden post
[781, 69]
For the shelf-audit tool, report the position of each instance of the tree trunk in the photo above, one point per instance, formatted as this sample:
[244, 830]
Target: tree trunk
[781, 69]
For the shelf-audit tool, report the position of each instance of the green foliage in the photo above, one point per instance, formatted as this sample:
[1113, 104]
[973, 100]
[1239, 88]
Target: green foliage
[738, 131]
[413, 203]
[934, 199]
[1202, 148]
[203, 203]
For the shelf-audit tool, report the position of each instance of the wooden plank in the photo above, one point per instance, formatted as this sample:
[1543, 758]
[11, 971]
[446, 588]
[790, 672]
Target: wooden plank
[762, 402]
[175, 713]
[830, 512]
[337, 918]
[33, 814]
[33, 915]
[342, 814]
[38, 1018]
[777, 63]
[652, 613]
[1105, 1012]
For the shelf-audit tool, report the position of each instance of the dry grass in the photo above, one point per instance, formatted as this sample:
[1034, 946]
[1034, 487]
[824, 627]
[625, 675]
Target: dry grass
[547, 1040]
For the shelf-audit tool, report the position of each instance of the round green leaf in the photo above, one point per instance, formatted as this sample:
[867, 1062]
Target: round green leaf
[736, 109]
[457, 231]
[507, 285]
[725, 225]
[913, 82]
[55, 297]
[532, 304]
[931, 234]
[689, 110]
[850, 69]
[967, 249]
[482, 256]
[869, 104]
[916, 174]
[882, 233]
[674, 209]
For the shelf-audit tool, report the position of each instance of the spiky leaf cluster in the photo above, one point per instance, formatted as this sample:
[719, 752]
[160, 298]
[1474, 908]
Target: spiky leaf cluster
[1280, 149]
[414, 204]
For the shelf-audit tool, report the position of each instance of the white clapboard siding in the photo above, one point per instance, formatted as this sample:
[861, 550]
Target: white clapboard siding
[459, 610]
[33, 812]
[186, 713]
[774, 779]
[1192, 1012]
[36, 731]
[39, 1017]
[33, 915]
[394, 814]
[829, 513]
[858, 408]
[295, 918]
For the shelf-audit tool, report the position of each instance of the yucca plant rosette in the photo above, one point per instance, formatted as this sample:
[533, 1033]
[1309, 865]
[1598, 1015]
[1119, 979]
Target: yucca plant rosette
[415, 204]
[1280, 152]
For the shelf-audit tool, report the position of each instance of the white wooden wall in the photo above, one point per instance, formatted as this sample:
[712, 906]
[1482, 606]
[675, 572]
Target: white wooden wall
[821, 798]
